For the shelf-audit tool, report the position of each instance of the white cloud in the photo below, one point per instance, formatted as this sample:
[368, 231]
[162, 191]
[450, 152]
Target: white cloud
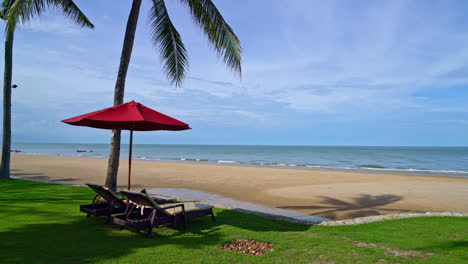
[52, 25]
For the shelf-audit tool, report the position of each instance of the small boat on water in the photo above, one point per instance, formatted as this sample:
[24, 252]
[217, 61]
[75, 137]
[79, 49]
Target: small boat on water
[81, 151]
[15, 150]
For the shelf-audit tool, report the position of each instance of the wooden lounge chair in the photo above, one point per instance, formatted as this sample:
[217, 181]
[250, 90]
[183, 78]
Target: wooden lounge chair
[150, 214]
[106, 202]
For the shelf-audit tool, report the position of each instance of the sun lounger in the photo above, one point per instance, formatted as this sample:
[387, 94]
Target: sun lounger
[106, 202]
[149, 213]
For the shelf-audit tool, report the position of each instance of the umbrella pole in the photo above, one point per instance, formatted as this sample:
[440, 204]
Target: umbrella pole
[130, 159]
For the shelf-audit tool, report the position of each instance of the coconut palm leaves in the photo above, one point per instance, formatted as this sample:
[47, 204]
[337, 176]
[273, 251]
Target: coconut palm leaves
[169, 42]
[171, 48]
[23, 10]
[4, 7]
[218, 32]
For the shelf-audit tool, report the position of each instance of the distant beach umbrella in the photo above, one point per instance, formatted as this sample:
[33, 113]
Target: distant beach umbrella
[131, 116]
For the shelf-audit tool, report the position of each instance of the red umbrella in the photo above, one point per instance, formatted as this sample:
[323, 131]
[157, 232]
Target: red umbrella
[131, 116]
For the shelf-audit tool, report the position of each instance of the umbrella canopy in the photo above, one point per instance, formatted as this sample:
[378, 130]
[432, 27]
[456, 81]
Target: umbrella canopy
[131, 116]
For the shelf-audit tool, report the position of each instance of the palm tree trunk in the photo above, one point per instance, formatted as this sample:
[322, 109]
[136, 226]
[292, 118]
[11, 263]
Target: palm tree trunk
[6, 146]
[114, 155]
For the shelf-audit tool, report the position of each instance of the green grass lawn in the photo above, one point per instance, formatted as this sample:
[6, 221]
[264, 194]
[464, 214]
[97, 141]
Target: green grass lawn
[41, 223]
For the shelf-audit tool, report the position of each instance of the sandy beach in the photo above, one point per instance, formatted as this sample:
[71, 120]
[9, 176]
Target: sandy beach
[335, 195]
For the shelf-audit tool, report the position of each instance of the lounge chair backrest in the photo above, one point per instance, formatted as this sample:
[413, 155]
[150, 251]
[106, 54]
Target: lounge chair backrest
[140, 199]
[105, 193]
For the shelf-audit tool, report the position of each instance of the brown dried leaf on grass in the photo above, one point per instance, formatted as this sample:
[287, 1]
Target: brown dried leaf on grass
[247, 246]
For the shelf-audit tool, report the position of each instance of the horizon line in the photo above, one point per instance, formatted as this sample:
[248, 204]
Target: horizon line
[253, 145]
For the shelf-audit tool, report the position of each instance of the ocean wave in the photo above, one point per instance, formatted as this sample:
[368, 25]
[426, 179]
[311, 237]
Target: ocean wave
[228, 161]
[97, 156]
[29, 153]
[416, 170]
[187, 159]
[371, 166]
[279, 164]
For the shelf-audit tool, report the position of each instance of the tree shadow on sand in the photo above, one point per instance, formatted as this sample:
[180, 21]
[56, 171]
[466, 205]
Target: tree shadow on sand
[363, 205]
[37, 176]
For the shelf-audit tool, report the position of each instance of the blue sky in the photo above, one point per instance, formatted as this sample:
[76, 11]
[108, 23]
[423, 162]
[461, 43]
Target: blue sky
[314, 73]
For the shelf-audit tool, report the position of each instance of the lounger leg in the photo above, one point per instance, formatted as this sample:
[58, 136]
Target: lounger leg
[150, 232]
[88, 215]
[174, 223]
[121, 227]
[108, 220]
[212, 216]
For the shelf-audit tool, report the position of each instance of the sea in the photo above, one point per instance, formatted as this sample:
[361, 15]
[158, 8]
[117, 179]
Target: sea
[437, 161]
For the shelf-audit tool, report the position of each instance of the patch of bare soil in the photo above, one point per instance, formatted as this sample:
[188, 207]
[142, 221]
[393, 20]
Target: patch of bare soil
[392, 251]
[247, 246]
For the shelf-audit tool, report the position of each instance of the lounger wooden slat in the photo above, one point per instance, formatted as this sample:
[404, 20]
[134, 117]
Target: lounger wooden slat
[108, 203]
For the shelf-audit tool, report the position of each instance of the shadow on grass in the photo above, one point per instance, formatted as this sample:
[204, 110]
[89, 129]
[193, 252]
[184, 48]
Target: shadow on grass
[446, 245]
[14, 189]
[363, 205]
[255, 223]
[89, 241]
[43, 225]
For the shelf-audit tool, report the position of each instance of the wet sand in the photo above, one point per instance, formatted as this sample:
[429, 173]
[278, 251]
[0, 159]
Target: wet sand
[330, 194]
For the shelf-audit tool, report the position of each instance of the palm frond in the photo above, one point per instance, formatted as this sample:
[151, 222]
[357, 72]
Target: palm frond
[218, 32]
[5, 7]
[23, 11]
[71, 10]
[168, 41]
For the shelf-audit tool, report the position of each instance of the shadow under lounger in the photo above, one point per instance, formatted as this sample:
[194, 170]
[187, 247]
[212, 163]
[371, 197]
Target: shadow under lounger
[154, 214]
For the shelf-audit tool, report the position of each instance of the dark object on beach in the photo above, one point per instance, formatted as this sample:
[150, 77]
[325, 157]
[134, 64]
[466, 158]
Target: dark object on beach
[150, 214]
[131, 116]
[107, 203]
[247, 246]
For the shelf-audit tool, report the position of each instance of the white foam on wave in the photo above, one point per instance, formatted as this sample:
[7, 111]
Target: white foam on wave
[227, 161]
[29, 153]
[415, 170]
[317, 166]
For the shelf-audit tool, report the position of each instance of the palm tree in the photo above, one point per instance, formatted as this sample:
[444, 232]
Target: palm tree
[172, 53]
[15, 12]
